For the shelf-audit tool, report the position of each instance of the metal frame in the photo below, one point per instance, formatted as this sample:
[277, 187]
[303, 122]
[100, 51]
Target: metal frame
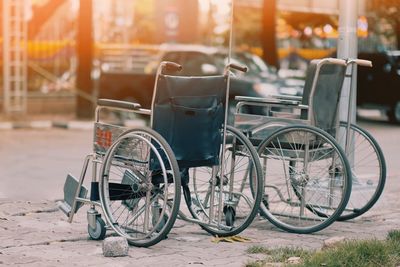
[290, 102]
[295, 102]
[15, 72]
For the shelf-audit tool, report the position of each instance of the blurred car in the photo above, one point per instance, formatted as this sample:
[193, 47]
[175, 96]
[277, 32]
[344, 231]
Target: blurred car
[260, 80]
[136, 83]
[379, 86]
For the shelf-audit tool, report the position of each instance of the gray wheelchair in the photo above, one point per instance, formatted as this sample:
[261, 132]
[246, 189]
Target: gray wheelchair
[311, 160]
[138, 174]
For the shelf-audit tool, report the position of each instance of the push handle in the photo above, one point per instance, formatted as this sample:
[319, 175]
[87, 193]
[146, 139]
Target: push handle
[361, 62]
[336, 61]
[171, 66]
[237, 67]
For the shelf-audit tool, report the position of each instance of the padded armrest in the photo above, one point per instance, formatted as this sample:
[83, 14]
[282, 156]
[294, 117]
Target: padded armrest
[288, 97]
[268, 100]
[118, 104]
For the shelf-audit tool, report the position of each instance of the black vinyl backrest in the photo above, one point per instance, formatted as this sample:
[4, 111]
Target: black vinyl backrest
[189, 113]
[326, 94]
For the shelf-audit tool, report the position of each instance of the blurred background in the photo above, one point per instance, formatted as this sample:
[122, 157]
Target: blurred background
[59, 56]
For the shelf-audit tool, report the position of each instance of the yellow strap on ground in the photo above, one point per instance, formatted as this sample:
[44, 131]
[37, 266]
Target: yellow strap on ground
[230, 239]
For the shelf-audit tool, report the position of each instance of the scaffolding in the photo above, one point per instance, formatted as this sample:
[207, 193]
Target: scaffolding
[15, 75]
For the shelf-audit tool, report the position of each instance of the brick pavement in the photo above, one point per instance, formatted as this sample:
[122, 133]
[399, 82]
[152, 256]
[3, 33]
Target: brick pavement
[34, 233]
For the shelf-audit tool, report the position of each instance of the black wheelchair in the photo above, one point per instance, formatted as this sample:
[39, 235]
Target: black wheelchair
[138, 173]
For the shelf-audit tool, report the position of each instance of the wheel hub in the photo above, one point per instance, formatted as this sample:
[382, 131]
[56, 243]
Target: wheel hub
[300, 178]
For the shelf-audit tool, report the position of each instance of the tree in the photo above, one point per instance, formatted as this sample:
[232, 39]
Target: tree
[85, 56]
[385, 11]
[268, 35]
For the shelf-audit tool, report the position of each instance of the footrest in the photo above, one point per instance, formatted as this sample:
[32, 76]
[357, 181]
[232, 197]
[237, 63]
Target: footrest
[70, 188]
[64, 207]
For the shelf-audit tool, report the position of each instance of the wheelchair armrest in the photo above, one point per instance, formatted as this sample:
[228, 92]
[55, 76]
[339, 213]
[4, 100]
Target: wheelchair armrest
[145, 111]
[288, 97]
[286, 115]
[109, 103]
[269, 100]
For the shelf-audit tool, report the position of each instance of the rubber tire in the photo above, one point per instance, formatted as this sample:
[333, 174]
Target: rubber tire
[100, 232]
[229, 216]
[394, 113]
[382, 178]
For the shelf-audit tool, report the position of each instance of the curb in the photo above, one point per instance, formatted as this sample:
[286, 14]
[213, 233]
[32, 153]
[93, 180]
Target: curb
[47, 124]
[68, 125]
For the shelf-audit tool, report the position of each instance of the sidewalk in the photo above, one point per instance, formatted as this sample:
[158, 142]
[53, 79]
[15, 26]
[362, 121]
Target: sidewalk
[37, 234]
[53, 121]
[34, 233]
[38, 121]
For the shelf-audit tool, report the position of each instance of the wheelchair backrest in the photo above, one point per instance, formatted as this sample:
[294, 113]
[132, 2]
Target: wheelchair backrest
[189, 112]
[168, 86]
[322, 92]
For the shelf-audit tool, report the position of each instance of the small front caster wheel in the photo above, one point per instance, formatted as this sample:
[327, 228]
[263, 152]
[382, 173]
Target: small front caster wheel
[100, 231]
[230, 215]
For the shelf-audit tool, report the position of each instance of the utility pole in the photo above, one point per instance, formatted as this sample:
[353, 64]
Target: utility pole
[347, 48]
[84, 107]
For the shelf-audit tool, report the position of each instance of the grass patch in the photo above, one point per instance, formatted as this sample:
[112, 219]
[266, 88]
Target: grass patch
[394, 235]
[351, 253]
[257, 250]
[256, 264]
[278, 254]
[282, 254]
[357, 253]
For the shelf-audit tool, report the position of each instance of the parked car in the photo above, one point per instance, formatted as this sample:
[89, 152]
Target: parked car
[260, 80]
[197, 60]
[379, 86]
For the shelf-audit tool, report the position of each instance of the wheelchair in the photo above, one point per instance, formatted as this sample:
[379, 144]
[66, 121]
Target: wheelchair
[135, 182]
[138, 174]
[311, 161]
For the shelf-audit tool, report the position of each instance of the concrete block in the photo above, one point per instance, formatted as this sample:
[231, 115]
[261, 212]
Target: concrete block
[294, 260]
[115, 246]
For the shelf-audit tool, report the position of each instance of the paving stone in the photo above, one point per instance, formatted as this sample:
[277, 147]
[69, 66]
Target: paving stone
[294, 260]
[33, 233]
[115, 246]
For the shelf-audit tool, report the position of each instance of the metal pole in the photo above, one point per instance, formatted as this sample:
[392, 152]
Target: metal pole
[347, 48]
[228, 85]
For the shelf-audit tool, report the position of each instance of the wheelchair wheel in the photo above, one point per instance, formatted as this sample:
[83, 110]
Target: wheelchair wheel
[240, 183]
[100, 231]
[368, 170]
[307, 179]
[140, 187]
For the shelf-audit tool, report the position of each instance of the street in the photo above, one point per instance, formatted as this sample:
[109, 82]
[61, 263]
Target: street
[34, 164]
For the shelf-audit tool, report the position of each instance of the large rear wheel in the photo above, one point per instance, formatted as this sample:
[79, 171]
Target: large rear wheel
[140, 187]
[307, 179]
